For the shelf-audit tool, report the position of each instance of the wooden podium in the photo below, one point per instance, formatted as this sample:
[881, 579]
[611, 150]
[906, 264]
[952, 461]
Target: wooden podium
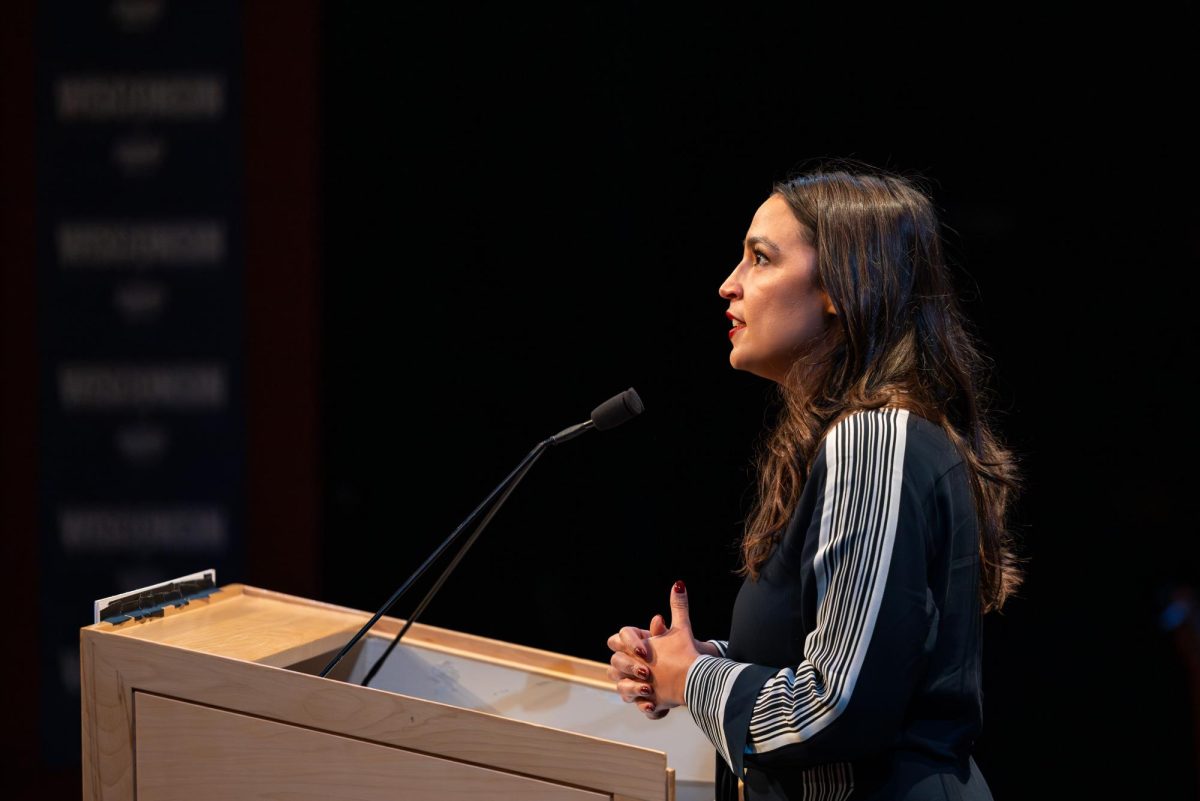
[220, 699]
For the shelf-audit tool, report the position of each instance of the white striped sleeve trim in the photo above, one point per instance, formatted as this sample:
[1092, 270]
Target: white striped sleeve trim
[706, 691]
[830, 782]
[865, 463]
[722, 646]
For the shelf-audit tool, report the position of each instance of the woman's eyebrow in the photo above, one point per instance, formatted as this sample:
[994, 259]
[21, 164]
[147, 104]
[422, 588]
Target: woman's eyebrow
[762, 240]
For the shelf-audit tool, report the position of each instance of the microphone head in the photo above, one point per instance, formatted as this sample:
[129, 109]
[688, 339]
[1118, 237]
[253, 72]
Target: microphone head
[617, 410]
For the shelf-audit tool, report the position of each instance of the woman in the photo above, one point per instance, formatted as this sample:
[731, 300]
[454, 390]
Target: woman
[878, 541]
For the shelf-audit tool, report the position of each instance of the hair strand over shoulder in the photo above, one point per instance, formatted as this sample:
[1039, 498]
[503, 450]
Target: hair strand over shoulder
[900, 340]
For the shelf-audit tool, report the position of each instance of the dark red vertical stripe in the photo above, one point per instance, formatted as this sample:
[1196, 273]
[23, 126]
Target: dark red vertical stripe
[18, 392]
[282, 302]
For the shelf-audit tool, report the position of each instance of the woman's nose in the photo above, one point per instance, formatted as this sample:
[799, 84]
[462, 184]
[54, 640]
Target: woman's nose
[730, 288]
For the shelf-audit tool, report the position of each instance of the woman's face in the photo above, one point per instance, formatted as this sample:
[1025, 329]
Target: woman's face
[774, 304]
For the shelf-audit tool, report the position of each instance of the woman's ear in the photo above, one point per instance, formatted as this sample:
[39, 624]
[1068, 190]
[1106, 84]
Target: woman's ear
[828, 304]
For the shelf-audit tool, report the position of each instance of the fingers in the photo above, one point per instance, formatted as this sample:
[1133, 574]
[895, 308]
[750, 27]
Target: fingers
[622, 666]
[679, 607]
[635, 642]
[627, 667]
[630, 640]
[634, 691]
[641, 693]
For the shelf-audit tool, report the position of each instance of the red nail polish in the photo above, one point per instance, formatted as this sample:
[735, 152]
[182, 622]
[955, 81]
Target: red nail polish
[645, 689]
[640, 651]
[679, 587]
[643, 673]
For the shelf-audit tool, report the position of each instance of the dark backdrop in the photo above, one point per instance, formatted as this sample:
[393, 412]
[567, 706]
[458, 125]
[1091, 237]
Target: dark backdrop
[521, 214]
[527, 213]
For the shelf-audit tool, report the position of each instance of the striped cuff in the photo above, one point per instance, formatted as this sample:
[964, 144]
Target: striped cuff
[722, 646]
[705, 691]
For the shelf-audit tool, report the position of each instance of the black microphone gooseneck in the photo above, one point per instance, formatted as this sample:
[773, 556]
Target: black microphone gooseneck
[607, 415]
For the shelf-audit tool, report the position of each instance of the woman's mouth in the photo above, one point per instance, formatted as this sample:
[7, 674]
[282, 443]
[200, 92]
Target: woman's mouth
[738, 325]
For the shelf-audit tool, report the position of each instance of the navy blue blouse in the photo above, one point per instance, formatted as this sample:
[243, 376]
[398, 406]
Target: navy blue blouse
[853, 663]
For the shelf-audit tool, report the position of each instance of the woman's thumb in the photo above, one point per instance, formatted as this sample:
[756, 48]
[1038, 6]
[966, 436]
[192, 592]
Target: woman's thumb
[679, 607]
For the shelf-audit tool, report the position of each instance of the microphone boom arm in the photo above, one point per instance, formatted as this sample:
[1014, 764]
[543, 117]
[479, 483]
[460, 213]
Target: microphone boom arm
[466, 546]
[505, 487]
[609, 414]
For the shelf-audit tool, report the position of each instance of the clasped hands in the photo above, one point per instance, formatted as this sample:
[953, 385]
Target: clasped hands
[650, 666]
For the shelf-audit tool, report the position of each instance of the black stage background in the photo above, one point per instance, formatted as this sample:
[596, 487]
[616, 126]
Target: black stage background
[467, 226]
[528, 213]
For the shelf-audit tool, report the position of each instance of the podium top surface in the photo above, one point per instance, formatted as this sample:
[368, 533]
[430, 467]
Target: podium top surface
[246, 623]
[273, 628]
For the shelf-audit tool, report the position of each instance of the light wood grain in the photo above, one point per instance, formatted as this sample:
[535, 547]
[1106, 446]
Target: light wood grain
[107, 725]
[190, 751]
[462, 643]
[192, 665]
[670, 788]
[277, 629]
[252, 628]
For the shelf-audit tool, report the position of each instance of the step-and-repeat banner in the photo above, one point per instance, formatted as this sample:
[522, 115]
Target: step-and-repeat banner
[140, 265]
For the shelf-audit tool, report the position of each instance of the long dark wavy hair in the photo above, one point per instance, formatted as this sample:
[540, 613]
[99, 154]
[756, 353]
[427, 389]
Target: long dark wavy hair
[899, 339]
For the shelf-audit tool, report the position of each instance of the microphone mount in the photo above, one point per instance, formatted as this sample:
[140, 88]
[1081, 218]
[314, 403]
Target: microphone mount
[570, 433]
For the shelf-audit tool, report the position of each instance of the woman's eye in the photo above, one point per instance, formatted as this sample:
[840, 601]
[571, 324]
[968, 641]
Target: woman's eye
[760, 258]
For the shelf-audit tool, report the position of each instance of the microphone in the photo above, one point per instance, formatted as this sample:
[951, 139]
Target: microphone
[610, 414]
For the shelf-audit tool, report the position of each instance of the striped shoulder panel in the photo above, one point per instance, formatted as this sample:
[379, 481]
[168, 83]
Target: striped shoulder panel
[864, 461]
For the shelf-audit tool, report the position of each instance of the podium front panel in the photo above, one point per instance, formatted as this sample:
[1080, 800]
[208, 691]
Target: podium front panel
[572, 703]
[190, 751]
